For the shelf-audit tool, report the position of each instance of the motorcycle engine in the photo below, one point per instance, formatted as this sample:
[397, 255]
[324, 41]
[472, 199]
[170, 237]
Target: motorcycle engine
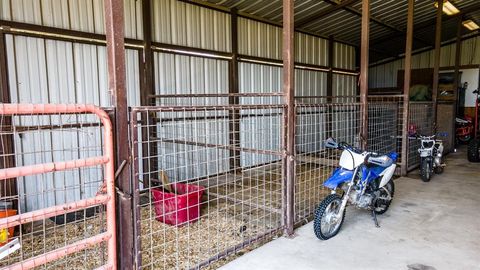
[362, 201]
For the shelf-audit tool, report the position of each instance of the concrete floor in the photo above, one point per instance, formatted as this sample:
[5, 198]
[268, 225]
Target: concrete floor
[429, 226]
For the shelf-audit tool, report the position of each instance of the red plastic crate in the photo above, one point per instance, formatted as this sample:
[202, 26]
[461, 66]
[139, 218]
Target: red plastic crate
[180, 208]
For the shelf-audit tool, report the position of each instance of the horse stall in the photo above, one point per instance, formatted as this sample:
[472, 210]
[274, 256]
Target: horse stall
[189, 138]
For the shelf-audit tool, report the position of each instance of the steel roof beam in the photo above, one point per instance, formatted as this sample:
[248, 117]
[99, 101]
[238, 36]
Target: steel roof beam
[379, 22]
[324, 12]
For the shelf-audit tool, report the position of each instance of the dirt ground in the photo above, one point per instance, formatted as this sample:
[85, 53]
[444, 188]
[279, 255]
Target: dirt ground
[232, 213]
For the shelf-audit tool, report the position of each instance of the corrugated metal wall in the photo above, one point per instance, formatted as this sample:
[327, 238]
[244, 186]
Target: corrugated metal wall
[311, 50]
[385, 75]
[179, 23]
[49, 71]
[180, 74]
[259, 39]
[81, 15]
[343, 56]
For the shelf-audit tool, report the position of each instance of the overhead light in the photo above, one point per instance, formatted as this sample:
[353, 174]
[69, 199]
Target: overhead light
[470, 25]
[448, 8]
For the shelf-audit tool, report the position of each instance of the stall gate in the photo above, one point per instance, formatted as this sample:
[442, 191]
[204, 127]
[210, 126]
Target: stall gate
[57, 182]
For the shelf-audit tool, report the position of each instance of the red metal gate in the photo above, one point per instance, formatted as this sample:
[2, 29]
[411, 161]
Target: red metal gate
[105, 197]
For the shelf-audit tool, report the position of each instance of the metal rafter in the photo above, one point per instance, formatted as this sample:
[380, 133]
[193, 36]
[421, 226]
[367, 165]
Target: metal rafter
[379, 22]
[429, 23]
[324, 12]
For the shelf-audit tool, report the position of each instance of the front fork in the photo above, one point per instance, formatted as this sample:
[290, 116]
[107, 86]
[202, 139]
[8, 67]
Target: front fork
[346, 195]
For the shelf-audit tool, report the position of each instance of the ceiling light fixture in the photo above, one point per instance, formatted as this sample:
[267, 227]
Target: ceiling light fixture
[448, 8]
[470, 25]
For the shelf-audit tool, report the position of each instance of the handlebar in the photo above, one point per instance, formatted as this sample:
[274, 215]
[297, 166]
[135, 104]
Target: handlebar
[331, 143]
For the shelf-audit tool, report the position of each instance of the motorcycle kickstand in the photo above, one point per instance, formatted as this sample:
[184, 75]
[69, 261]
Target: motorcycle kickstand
[374, 215]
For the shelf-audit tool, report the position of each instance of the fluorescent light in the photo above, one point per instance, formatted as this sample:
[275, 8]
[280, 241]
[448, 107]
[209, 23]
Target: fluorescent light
[448, 8]
[470, 25]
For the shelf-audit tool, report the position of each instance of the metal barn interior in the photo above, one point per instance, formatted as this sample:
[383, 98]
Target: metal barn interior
[108, 103]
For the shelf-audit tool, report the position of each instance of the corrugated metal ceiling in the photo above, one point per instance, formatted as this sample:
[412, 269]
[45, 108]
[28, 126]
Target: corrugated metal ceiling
[388, 20]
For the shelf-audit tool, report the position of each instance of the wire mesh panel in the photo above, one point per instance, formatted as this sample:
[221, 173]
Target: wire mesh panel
[385, 116]
[208, 181]
[314, 163]
[420, 122]
[57, 190]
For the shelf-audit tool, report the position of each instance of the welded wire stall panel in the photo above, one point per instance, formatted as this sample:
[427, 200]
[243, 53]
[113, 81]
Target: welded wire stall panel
[86, 16]
[420, 122]
[239, 205]
[314, 163]
[385, 124]
[40, 139]
[262, 125]
[179, 23]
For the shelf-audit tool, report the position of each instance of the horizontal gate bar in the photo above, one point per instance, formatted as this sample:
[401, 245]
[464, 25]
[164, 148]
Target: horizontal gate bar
[52, 211]
[51, 167]
[59, 253]
[107, 159]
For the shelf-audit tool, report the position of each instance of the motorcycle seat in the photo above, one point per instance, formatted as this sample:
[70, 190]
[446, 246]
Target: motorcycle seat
[380, 160]
[462, 121]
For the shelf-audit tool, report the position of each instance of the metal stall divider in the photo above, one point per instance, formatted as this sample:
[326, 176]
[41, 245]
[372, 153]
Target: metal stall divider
[79, 198]
[199, 209]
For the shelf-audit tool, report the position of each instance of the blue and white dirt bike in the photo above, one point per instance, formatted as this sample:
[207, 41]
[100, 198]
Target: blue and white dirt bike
[366, 181]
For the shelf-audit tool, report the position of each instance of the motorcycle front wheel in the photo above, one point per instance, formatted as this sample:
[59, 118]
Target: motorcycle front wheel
[425, 169]
[328, 220]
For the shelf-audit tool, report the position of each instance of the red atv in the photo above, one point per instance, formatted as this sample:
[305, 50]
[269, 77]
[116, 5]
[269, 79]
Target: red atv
[473, 152]
[464, 129]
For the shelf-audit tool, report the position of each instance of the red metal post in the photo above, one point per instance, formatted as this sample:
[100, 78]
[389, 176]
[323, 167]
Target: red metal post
[114, 28]
[364, 70]
[406, 86]
[289, 91]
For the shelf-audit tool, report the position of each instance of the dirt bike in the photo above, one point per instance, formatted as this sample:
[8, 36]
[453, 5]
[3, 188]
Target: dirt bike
[366, 181]
[431, 155]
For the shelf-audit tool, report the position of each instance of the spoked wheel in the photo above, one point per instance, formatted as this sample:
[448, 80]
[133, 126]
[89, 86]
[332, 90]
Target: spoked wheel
[425, 170]
[384, 198]
[328, 220]
[438, 170]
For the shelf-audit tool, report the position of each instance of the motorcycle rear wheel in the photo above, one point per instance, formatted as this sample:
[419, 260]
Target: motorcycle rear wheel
[438, 170]
[425, 170]
[323, 225]
[381, 206]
